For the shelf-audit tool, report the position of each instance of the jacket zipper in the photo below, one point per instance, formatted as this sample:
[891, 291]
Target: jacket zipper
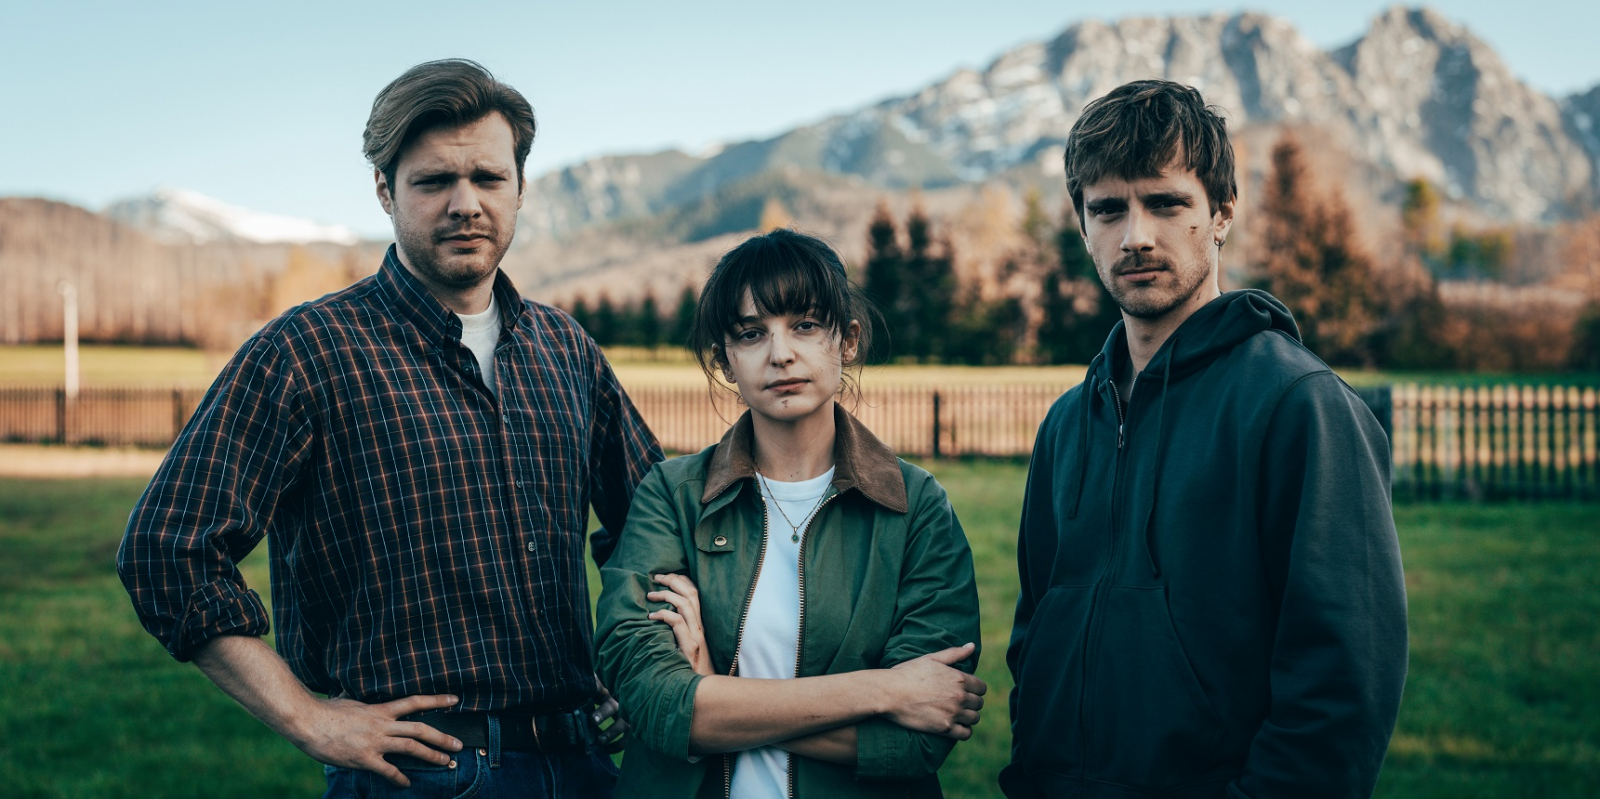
[800, 636]
[738, 644]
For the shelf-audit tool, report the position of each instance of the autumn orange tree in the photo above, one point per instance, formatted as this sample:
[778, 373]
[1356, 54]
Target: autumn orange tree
[1312, 262]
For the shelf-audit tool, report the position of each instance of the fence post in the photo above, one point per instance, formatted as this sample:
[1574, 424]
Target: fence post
[936, 425]
[61, 416]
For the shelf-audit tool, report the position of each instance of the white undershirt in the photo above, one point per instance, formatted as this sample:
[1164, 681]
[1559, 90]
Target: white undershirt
[480, 332]
[771, 641]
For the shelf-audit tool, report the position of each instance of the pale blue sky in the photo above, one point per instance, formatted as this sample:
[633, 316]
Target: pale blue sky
[262, 105]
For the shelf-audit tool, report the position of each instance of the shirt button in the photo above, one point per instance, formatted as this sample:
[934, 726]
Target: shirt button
[505, 417]
[530, 546]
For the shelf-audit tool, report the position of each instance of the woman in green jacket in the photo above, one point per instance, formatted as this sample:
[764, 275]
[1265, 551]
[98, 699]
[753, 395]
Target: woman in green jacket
[792, 612]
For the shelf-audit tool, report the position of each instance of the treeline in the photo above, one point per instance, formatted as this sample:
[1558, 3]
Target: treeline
[1040, 302]
[1431, 297]
[637, 323]
[1042, 305]
[135, 290]
[1429, 300]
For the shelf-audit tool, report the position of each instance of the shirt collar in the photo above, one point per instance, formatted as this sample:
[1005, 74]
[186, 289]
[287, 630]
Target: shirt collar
[406, 294]
[860, 461]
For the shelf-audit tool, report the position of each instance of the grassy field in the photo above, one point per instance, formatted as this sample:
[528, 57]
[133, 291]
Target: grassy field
[1500, 700]
[165, 366]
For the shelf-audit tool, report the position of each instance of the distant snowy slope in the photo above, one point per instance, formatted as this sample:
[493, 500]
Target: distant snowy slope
[183, 216]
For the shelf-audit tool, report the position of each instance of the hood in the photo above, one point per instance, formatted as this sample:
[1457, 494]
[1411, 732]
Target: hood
[1209, 333]
[1219, 326]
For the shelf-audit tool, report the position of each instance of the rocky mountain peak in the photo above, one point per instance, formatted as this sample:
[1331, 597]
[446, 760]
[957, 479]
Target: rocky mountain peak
[1417, 95]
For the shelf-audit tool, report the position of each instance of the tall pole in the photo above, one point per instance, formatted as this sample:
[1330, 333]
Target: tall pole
[69, 334]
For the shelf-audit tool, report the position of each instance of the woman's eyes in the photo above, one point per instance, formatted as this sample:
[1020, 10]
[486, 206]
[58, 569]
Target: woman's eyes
[804, 326]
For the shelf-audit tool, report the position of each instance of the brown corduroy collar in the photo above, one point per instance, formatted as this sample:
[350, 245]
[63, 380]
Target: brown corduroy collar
[860, 461]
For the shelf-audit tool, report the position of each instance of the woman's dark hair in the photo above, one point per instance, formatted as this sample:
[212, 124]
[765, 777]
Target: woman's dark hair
[784, 272]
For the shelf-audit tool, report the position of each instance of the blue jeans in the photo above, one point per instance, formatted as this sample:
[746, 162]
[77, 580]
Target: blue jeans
[578, 773]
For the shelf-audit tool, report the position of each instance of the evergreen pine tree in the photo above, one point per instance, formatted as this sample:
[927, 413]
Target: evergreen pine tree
[605, 331]
[885, 263]
[915, 330]
[581, 315]
[683, 320]
[647, 322]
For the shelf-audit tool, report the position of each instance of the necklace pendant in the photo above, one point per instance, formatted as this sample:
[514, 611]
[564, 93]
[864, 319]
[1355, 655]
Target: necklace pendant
[795, 538]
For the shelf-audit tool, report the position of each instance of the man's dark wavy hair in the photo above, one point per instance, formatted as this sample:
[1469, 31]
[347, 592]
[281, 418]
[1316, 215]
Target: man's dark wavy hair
[448, 93]
[1138, 129]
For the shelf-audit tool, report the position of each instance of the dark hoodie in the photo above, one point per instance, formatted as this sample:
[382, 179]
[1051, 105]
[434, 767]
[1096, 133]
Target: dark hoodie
[1211, 597]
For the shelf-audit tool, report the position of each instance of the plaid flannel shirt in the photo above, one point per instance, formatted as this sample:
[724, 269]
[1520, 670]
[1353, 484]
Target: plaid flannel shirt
[426, 536]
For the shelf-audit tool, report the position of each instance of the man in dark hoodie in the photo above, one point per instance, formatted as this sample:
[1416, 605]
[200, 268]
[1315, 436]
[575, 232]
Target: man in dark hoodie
[1211, 598]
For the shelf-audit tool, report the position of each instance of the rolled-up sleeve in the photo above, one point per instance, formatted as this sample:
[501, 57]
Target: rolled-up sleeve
[211, 502]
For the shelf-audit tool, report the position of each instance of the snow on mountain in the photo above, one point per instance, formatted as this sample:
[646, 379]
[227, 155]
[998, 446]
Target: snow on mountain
[183, 216]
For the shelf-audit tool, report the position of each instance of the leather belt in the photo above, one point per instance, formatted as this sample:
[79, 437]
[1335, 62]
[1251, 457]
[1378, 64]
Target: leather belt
[534, 732]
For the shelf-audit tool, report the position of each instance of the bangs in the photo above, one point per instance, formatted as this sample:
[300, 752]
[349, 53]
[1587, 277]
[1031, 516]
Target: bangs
[781, 278]
[783, 273]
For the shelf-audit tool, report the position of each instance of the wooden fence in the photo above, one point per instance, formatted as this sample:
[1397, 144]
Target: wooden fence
[1494, 442]
[1479, 442]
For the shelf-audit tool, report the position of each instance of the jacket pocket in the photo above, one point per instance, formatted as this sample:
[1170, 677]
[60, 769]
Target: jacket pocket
[1047, 730]
[1150, 723]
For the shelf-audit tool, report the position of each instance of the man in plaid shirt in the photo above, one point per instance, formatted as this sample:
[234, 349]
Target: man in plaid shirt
[421, 450]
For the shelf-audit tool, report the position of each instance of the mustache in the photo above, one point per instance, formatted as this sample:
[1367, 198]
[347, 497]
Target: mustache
[1134, 262]
[441, 235]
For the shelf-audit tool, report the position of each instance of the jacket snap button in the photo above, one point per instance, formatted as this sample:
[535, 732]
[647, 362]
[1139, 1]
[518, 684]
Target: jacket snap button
[452, 764]
[720, 540]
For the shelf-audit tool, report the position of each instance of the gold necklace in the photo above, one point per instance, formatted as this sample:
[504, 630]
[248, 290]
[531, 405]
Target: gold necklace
[794, 536]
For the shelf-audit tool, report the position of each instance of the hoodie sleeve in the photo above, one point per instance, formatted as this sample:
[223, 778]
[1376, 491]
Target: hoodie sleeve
[1038, 513]
[1333, 559]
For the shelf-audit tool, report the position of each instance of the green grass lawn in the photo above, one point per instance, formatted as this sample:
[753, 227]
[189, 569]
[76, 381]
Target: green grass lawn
[1501, 698]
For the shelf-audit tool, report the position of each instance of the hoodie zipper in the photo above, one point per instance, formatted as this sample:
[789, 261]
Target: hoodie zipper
[1117, 395]
[738, 644]
[1091, 641]
[800, 636]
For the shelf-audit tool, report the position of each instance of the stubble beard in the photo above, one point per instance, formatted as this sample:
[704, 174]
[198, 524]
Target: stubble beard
[422, 246]
[1150, 302]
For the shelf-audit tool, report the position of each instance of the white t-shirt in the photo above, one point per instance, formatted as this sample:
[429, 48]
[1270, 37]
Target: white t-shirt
[481, 332]
[772, 630]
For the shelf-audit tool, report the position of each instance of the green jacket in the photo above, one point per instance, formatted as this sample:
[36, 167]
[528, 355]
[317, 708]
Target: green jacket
[886, 577]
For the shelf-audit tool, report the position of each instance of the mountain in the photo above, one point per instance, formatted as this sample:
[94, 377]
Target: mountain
[1415, 96]
[1582, 114]
[179, 216]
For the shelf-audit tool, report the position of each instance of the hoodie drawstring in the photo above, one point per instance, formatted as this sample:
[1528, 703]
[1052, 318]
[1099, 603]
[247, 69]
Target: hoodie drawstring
[1083, 438]
[1155, 485]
